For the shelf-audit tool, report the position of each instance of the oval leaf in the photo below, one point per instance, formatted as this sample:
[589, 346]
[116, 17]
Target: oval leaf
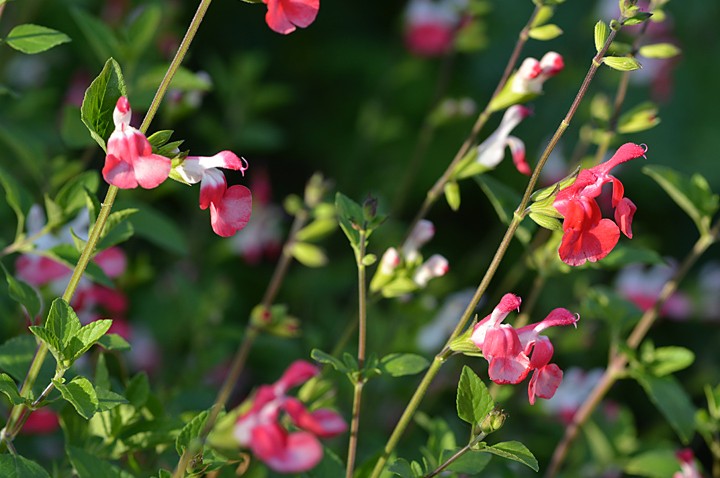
[81, 395]
[622, 63]
[308, 254]
[99, 101]
[473, 399]
[545, 32]
[398, 365]
[516, 451]
[601, 34]
[33, 39]
[659, 50]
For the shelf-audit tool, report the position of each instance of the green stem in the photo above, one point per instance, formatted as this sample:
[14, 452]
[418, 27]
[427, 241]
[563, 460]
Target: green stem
[97, 229]
[492, 268]
[618, 360]
[360, 379]
[434, 193]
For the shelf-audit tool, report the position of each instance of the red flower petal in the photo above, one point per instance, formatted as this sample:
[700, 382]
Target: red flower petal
[232, 213]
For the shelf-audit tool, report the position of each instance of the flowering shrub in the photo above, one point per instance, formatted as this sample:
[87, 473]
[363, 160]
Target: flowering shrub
[364, 234]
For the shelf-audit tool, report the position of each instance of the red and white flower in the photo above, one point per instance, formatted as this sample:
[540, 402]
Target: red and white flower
[492, 151]
[532, 73]
[130, 162]
[260, 428]
[587, 236]
[283, 16]
[430, 26]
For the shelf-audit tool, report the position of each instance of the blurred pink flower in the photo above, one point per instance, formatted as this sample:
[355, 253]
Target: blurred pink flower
[230, 208]
[492, 151]
[587, 236]
[42, 421]
[130, 162]
[532, 74]
[260, 427]
[430, 26]
[284, 15]
[688, 467]
[435, 266]
[642, 287]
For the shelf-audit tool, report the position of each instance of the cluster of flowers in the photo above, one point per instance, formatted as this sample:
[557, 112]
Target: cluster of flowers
[513, 353]
[260, 429]
[130, 163]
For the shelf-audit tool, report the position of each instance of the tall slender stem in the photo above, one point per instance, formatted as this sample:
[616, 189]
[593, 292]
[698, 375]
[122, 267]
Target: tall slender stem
[494, 264]
[434, 193]
[17, 417]
[360, 379]
[619, 360]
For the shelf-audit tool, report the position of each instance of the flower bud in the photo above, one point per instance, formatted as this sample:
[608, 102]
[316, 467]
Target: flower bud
[493, 421]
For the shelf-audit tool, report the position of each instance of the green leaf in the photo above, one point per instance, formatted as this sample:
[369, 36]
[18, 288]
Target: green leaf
[473, 399]
[325, 358]
[653, 464]
[666, 360]
[308, 254]
[81, 395]
[452, 195]
[113, 342]
[184, 79]
[86, 337]
[350, 217]
[16, 355]
[191, 431]
[692, 194]
[659, 50]
[545, 32]
[138, 390]
[71, 196]
[317, 229]
[601, 34]
[471, 462]
[53, 343]
[157, 228]
[401, 467]
[100, 37]
[143, 29]
[504, 200]
[640, 118]
[100, 99]
[62, 321]
[88, 465]
[398, 365]
[9, 388]
[107, 400]
[514, 450]
[637, 18]
[117, 229]
[23, 293]
[672, 401]
[622, 63]
[17, 198]
[33, 39]
[543, 15]
[398, 287]
[15, 466]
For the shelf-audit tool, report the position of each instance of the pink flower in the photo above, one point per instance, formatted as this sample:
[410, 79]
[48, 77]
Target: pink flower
[587, 235]
[260, 428]
[492, 151]
[130, 161]
[423, 231]
[688, 468]
[430, 27]
[643, 286]
[513, 353]
[284, 15]
[531, 75]
[230, 208]
[42, 421]
[436, 266]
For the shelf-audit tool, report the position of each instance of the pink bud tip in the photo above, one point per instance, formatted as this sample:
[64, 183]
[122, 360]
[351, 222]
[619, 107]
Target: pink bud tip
[509, 302]
[123, 105]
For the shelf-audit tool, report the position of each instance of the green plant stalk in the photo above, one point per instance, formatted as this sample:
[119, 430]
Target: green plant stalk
[457, 455]
[436, 191]
[619, 360]
[359, 379]
[98, 227]
[240, 358]
[492, 268]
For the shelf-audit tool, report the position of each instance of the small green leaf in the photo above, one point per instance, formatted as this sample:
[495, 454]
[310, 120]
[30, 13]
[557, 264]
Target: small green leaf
[622, 63]
[667, 360]
[452, 195]
[308, 254]
[398, 365]
[62, 321]
[653, 464]
[504, 200]
[81, 395]
[543, 15]
[17, 198]
[100, 99]
[113, 342]
[89, 465]
[33, 39]
[86, 337]
[15, 466]
[640, 118]
[692, 194]
[138, 390]
[350, 217]
[637, 18]
[191, 431]
[473, 399]
[71, 196]
[516, 451]
[672, 401]
[16, 355]
[402, 468]
[659, 50]
[107, 400]
[23, 293]
[545, 32]
[54, 344]
[398, 287]
[325, 358]
[601, 34]
[471, 462]
[9, 388]
[316, 230]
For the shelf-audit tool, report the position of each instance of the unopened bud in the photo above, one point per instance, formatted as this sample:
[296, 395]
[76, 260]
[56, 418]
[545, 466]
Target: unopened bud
[493, 421]
[370, 208]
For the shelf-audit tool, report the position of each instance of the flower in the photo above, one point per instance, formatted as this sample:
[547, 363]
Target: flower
[42, 421]
[284, 15]
[430, 26]
[531, 75]
[492, 151]
[230, 208]
[513, 353]
[130, 161]
[688, 467]
[435, 266]
[587, 236]
[423, 231]
[260, 428]
[642, 287]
